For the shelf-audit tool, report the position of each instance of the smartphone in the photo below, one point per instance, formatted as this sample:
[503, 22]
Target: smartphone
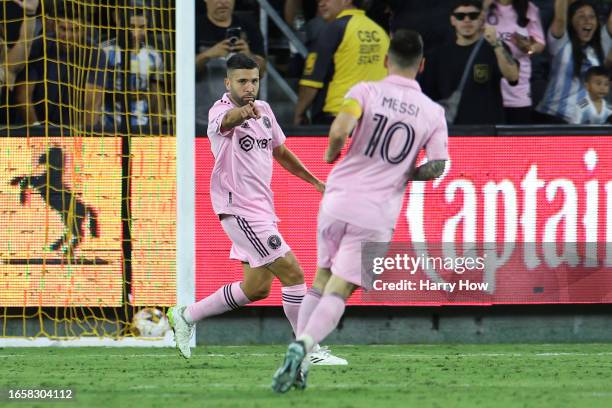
[521, 37]
[233, 34]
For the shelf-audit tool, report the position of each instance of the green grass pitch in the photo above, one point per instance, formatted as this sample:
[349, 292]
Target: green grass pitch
[561, 375]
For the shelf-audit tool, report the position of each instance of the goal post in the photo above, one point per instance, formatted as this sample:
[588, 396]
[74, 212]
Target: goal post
[185, 153]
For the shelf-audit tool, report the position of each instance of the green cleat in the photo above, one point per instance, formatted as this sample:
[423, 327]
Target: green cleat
[285, 377]
[183, 331]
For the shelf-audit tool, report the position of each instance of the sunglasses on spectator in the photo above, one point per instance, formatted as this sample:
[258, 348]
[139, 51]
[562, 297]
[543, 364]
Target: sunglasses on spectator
[472, 15]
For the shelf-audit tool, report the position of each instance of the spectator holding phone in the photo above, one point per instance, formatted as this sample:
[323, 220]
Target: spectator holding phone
[518, 25]
[219, 34]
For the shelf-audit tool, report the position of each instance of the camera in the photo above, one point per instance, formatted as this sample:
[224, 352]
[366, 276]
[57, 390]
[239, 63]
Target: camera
[233, 34]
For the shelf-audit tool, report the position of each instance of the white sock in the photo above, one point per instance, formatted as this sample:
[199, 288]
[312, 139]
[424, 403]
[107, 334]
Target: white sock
[308, 342]
[187, 316]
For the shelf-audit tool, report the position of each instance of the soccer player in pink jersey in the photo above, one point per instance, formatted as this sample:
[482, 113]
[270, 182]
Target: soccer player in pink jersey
[391, 121]
[244, 137]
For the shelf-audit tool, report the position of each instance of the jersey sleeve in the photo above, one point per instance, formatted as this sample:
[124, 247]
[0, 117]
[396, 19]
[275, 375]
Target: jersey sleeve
[576, 117]
[215, 117]
[555, 45]
[606, 39]
[359, 93]
[534, 27]
[278, 136]
[320, 59]
[578, 114]
[355, 100]
[437, 145]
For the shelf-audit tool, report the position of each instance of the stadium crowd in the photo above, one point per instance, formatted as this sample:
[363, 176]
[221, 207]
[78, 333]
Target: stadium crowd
[84, 65]
[487, 62]
[533, 62]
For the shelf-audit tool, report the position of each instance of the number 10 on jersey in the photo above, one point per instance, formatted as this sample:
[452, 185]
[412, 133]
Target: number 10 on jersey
[387, 133]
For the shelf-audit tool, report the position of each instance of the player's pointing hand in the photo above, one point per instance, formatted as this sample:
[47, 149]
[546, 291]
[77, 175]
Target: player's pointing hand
[250, 111]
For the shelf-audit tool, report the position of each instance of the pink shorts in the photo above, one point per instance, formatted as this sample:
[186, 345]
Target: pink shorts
[339, 246]
[256, 242]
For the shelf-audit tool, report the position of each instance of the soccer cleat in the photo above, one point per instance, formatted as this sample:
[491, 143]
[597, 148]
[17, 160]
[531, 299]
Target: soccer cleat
[285, 377]
[300, 379]
[322, 356]
[183, 331]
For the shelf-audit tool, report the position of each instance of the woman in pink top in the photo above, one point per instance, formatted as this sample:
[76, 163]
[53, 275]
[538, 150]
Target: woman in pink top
[518, 24]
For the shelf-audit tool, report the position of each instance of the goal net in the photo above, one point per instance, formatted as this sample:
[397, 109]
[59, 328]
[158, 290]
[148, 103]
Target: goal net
[88, 180]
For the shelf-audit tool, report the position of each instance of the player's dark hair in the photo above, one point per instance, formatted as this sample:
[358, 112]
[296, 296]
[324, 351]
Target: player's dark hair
[596, 71]
[578, 53]
[466, 3]
[241, 61]
[406, 48]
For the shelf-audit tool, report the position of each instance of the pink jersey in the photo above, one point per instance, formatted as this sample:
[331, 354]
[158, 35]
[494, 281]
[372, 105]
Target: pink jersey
[367, 187]
[505, 19]
[240, 181]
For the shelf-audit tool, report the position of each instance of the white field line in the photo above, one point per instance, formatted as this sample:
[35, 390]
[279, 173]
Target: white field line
[415, 356]
[386, 385]
[560, 354]
[236, 355]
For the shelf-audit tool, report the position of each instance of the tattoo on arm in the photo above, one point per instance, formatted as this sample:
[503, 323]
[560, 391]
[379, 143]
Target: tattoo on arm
[429, 170]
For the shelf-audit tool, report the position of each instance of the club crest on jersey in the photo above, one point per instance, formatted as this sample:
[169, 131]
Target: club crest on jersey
[267, 122]
[246, 143]
[274, 241]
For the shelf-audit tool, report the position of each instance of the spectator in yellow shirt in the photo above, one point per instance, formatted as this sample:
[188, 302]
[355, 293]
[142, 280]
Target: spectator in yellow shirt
[351, 49]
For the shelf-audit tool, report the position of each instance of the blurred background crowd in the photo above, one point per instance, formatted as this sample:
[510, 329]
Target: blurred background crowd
[94, 65]
[535, 62]
[110, 63]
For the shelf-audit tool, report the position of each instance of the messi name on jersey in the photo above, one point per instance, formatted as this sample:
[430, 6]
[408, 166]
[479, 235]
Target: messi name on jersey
[400, 107]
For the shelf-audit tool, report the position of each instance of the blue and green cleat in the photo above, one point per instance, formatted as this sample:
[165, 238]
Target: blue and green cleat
[286, 376]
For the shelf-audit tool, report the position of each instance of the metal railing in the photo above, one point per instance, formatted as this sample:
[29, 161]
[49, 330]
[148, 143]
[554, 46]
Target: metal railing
[267, 11]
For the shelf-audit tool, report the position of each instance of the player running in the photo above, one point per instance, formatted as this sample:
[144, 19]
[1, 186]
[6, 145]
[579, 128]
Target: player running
[244, 137]
[391, 120]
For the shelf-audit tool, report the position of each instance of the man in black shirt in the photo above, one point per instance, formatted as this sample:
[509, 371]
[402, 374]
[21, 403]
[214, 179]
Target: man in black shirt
[213, 48]
[66, 75]
[16, 34]
[481, 101]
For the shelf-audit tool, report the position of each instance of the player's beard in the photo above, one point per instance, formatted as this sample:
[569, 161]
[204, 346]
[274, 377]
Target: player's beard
[244, 100]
